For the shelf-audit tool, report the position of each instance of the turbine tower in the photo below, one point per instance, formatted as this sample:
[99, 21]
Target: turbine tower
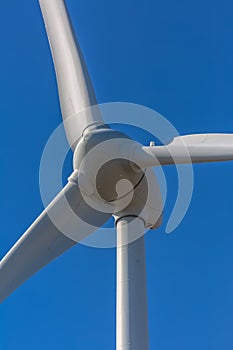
[102, 158]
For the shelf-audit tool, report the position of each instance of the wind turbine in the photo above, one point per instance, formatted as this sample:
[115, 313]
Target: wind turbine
[102, 157]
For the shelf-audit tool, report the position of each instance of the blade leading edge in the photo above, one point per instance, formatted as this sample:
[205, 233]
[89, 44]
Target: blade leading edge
[197, 148]
[44, 240]
[75, 88]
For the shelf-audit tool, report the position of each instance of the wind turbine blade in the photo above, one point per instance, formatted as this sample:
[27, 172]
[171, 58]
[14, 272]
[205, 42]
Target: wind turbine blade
[197, 148]
[75, 89]
[44, 240]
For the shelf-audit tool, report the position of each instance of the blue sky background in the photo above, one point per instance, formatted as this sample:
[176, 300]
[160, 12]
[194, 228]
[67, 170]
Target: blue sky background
[175, 57]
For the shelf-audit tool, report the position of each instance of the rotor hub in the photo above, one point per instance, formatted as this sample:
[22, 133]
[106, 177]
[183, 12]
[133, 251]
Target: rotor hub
[108, 176]
[99, 157]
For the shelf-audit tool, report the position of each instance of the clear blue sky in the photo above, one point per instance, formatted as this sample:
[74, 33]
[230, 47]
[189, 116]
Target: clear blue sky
[177, 58]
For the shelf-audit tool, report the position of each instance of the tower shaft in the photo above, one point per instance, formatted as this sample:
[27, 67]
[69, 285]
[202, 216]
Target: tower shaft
[132, 314]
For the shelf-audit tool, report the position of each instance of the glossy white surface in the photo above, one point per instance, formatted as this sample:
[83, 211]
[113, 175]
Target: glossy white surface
[132, 314]
[187, 149]
[75, 88]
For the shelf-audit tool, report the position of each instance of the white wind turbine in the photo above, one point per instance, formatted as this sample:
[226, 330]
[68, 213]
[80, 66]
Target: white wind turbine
[95, 144]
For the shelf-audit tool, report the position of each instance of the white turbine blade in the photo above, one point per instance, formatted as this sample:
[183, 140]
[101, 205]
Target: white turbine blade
[75, 89]
[45, 240]
[187, 149]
